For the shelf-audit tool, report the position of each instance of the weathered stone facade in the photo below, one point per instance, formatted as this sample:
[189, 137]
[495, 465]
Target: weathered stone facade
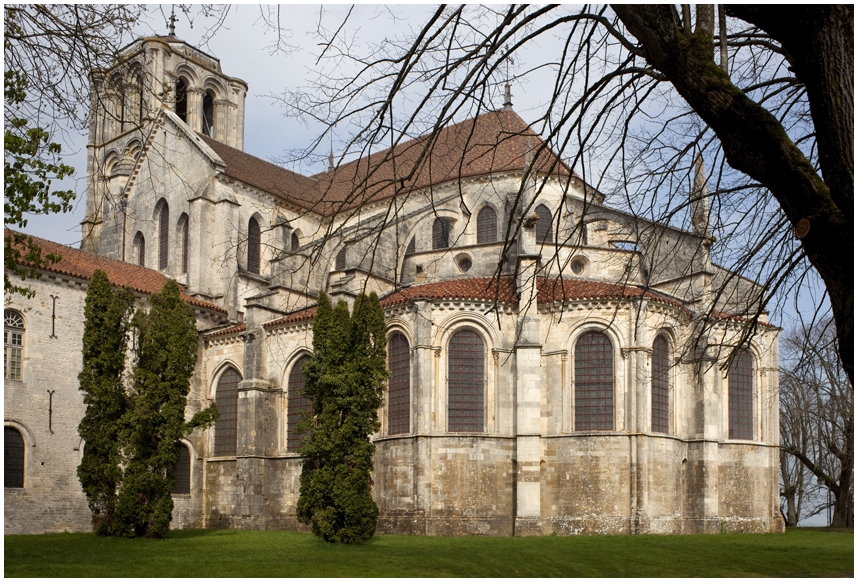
[659, 456]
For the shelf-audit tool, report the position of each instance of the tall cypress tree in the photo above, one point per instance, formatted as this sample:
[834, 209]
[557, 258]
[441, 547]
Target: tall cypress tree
[345, 379]
[106, 313]
[155, 419]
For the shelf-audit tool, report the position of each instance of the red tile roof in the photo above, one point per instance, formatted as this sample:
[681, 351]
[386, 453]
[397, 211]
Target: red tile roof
[491, 289]
[241, 327]
[723, 315]
[479, 289]
[496, 141]
[81, 264]
[300, 315]
[550, 290]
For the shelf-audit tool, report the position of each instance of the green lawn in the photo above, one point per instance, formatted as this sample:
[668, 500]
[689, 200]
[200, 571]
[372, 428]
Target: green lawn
[230, 553]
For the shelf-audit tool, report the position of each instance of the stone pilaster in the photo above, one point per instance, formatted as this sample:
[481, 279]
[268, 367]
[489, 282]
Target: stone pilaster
[195, 109]
[528, 400]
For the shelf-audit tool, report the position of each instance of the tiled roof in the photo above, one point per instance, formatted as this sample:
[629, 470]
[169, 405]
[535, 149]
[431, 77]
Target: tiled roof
[496, 141]
[81, 264]
[480, 289]
[491, 289]
[300, 315]
[723, 315]
[551, 290]
[241, 327]
[264, 175]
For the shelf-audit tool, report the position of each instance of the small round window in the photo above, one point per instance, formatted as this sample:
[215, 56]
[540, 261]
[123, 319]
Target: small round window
[578, 266]
[465, 264]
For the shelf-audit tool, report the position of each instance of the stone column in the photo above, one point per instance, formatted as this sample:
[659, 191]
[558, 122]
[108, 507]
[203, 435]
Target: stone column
[195, 109]
[257, 425]
[423, 389]
[221, 115]
[638, 356]
[528, 397]
[704, 458]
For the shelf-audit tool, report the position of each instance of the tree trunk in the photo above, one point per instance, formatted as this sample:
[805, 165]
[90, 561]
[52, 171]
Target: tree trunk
[754, 141]
[842, 515]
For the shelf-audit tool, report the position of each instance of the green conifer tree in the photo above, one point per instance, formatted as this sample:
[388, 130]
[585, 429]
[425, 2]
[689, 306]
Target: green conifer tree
[345, 379]
[106, 313]
[155, 421]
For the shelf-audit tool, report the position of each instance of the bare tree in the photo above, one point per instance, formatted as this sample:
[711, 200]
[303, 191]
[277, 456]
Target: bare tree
[817, 419]
[631, 96]
[49, 52]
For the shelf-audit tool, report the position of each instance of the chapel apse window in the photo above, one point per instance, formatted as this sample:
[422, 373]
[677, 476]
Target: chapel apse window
[13, 458]
[226, 399]
[660, 386]
[487, 225]
[254, 242]
[441, 234]
[399, 385]
[740, 391]
[594, 382]
[296, 242]
[13, 344]
[466, 382]
[297, 404]
[163, 234]
[183, 472]
[544, 225]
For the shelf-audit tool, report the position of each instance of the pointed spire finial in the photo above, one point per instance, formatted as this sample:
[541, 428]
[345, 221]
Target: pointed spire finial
[700, 199]
[331, 161]
[171, 23]
[507, 97]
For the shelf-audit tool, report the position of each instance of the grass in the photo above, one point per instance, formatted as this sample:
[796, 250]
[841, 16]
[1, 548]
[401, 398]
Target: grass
[231, 553]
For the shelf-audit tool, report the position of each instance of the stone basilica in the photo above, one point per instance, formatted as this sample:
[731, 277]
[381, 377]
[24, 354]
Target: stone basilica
[582, 378]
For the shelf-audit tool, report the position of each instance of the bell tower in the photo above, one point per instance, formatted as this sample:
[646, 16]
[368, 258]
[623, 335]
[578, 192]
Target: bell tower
[151, 74]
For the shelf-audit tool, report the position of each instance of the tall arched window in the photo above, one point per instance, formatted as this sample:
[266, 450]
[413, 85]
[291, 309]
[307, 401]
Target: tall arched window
[13, 458]
[183, 472]
[544, 226]
[140, 249]
[297, 404]
[208, 114]
[296, 241]
[660, 385]
[340, 261]
[254, 241]
[184, 234]
[13, 344]
[740, 396]
[399, 386]
[466, 382]
[226, 399]
[163, 212]
[441, 234]
[487, 225]
[594, 382]
[182, 100]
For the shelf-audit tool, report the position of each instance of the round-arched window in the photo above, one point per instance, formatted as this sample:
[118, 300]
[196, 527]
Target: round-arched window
[226, 399]
[466, 382]
[594, 382]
